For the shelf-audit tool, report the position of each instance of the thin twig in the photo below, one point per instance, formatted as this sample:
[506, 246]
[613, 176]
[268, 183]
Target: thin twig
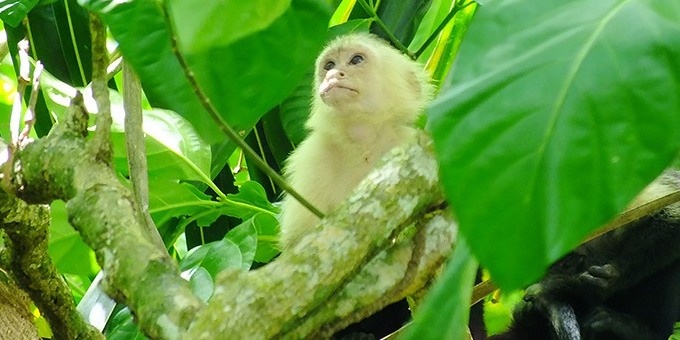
[100, 91]
[226, 129]
[29, 116]
[136, 151]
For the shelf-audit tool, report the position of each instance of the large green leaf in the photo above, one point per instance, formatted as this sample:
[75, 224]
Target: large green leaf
[144, 40]
[560, 112]
[221, 22]
[250, 76]
[444, 313]
[243, 78]
[13, 11]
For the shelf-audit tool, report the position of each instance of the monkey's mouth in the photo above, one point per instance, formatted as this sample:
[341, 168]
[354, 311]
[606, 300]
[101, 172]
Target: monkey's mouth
[326, 86]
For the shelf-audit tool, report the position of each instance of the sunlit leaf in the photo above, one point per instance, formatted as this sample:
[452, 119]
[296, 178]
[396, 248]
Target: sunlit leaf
[214, 257]
[13, 11]
[560, 112]
[221, 22]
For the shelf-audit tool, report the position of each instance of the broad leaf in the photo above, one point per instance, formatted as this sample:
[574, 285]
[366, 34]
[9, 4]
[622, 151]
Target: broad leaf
[213, 257]
[221, 22]
[444, 313]
[244, 237]
[13, 11]
[560, 112]
[243, 78]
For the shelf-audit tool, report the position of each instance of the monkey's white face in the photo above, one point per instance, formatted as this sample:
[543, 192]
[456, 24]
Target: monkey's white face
[348, 78]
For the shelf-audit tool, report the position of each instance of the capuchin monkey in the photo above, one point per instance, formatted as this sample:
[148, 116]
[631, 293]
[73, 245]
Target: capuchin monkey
[624, 284]
[366, 98]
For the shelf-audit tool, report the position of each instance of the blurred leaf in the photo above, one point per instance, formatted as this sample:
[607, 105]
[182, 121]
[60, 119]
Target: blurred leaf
[252, 193]
[554, 123]
[221, 22]
[13, 11]
[214, 257]
[244, 237]
[202, 284]
[123, 327]
[68, 251]
[444, 313]
[78, 285]
[295, 110]
[278, 142]
[174, 149]
[267, 227]
[257, 140]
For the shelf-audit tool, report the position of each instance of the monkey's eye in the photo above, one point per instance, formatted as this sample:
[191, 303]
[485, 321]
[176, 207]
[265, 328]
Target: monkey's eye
[329, 65]
[356, 59]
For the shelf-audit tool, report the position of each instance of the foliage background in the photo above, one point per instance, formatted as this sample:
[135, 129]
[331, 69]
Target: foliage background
[551, 119]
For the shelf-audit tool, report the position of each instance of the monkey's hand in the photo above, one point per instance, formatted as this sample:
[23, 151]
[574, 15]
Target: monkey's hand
[599, 280]
[604, 323]
[585, 288]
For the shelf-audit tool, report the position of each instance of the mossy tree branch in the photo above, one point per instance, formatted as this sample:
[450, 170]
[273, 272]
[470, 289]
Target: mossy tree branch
[361, 254]
[64, 166]
[26, 230]
[373, 250]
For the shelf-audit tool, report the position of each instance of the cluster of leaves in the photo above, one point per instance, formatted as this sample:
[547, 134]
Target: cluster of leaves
[554, 116]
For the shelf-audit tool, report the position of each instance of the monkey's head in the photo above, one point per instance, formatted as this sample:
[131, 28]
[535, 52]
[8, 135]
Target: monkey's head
[363, 75]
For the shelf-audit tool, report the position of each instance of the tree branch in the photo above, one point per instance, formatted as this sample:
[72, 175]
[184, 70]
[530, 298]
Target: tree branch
[331, 268]
[26, 229]
[63, 166]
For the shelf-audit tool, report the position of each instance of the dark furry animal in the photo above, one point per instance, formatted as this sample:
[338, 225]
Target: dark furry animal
[622, 285]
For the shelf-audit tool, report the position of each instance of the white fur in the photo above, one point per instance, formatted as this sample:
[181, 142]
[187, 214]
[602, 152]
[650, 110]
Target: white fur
[359, 112]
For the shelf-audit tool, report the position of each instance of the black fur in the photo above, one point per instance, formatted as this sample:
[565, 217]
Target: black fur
[622, 285]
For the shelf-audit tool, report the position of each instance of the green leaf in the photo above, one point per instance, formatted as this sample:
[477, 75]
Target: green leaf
[13, 11]
[174, 149]
[169, 199]
[243, 79]
[401, 17]
[202, 284]
[221, 22]
[444, 313]
[252, 193]
[66, 248]
[144, 40]
[268, 230]
[214, 257]
[244, 237]
[257, 72]
[555, 122]
[123, 327]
